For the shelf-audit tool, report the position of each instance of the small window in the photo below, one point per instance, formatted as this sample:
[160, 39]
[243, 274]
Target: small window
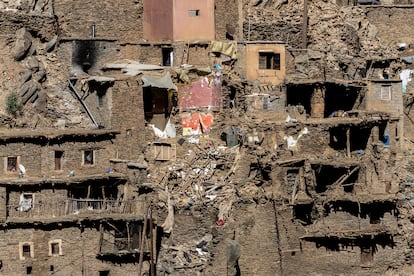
[88, 157]
[55, 247]
[12, 163]
[269, 61]
[58, 160]
[194, 12]
[167, 56]
[129, 132]
[52, 268]
[105, 273]
[29, 270]
[367, 254]
[386, 92]
[26, 250]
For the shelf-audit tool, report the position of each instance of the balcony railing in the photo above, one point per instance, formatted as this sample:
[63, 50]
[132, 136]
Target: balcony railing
[73, 207]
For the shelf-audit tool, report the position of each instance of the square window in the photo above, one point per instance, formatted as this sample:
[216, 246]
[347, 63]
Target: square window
[194, 12]
[88, 157]
[386, 91]
[269, 61]
[55, 247]
[29, 270]
[26, 250]
[12, 163]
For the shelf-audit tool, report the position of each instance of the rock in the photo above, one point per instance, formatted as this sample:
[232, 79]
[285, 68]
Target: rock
[51, 44]
[22, 44]
[25, 77]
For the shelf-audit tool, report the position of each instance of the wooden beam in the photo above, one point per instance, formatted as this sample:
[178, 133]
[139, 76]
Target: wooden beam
[348, 142]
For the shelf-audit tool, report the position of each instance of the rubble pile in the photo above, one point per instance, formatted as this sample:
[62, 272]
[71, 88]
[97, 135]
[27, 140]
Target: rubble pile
[339, 39]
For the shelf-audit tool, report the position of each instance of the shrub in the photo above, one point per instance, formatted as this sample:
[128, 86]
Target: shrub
[13, 105]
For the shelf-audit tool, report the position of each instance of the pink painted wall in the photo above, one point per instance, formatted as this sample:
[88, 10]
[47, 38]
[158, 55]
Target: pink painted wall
[158, 20]
[189, 28]
[203, 93]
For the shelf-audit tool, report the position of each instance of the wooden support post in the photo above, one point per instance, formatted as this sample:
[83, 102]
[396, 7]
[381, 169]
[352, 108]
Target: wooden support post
[141, 249]
[129, 236]
[152, 266]
[101, 237]
[348, 142]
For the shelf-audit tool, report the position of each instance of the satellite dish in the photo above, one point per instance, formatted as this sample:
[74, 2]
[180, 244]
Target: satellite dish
[22, 169]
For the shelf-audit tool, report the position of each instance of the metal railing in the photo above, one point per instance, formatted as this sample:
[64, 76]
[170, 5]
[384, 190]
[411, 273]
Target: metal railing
[72, 206]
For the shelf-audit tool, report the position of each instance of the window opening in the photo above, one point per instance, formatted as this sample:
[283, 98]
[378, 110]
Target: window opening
[88, 157]
[269, 61]
[26, 250]
[167, 56]
[386, 92]
[58, 160]
[29, 270]
[194, 12]
[12, 163]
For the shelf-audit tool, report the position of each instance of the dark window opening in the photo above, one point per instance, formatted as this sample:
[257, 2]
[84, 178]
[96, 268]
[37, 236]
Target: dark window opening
[121, 236]
[12, 163]
[26, 251]
[107, 190]
[327, 175]
[58, 160]
[55, 248]
[374, 211]
[158, 104]
[358, 139]
[29, 270]
[300, 96]
[194, 12]
[104, 273]
[51, 268]
[339, 99]
[303, 213]
[88, 157]
[167, 56]
[269, 61]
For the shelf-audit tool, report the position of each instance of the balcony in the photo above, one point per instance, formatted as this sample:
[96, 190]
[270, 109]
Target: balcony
[69, 209]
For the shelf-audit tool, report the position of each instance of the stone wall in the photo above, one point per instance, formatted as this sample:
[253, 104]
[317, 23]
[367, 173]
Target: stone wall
[228, 17]
[80, 247]
[39, 160]
[128, 118]
[121, 20]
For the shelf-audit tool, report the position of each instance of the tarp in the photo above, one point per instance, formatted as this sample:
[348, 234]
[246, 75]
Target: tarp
[197, 123]
[160, 82]
[25, 204]
[226, 48]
